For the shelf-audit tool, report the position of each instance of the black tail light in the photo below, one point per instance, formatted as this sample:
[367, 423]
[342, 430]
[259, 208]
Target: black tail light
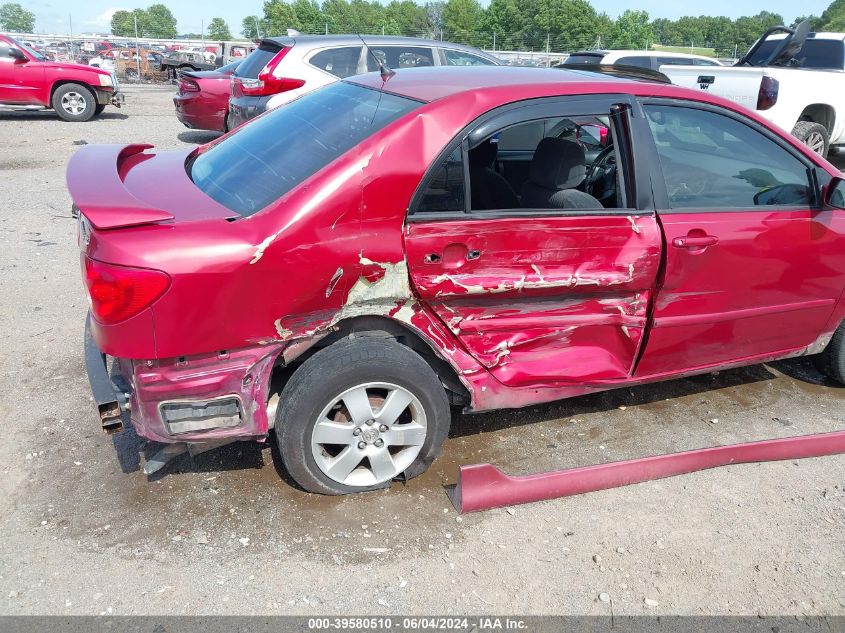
[768, 95]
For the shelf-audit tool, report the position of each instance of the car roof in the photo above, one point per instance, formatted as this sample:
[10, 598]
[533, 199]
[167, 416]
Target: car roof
[436, 82]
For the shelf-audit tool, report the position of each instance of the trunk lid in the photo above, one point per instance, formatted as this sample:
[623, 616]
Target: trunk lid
[118, 186]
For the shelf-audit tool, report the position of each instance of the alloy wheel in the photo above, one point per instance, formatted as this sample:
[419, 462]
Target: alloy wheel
[369, 434]
[815, 141]
[74, 103]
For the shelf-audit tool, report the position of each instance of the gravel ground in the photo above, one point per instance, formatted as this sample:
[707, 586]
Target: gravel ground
[85, 532]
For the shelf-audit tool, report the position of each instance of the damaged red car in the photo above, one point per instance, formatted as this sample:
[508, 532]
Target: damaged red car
[345, 269]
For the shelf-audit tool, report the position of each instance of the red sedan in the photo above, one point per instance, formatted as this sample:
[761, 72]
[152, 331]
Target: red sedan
[488, 238]
[202, 98]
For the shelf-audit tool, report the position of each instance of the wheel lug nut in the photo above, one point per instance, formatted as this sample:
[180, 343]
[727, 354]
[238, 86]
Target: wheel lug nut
[383, 428]
[362, 445]
[356, 432]
[379, 443]
[370, 422]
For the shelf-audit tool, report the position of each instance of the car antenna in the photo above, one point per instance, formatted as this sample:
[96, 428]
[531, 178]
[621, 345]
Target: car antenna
[386, 73]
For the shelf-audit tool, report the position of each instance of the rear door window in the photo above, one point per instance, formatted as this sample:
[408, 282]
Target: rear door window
[257, 60]
[262, 161]
[340, 62]
[461, 58]
[395, 57]
[640, 61]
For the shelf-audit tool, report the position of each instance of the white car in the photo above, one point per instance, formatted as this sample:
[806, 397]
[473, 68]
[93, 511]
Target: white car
[791, 77]
[641, 59]
[106, 63]
[282, 69]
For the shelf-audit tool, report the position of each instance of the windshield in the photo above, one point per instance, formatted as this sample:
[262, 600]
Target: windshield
[26, 48]
[819, 54]
[272, 154]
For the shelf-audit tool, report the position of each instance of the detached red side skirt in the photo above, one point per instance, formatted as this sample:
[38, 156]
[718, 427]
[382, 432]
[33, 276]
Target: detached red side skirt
[483, 486]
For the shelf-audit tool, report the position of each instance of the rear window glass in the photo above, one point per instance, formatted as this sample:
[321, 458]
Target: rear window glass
[255, 61]
[828, 54]
[340, 62]
[272, 154]
[638, 61]
[574, 60]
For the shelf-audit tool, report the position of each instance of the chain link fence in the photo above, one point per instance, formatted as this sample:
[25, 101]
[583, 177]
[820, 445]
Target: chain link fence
[154, 60]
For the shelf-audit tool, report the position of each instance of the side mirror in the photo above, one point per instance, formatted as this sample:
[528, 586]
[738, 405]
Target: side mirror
[835, 194]
[17, 55]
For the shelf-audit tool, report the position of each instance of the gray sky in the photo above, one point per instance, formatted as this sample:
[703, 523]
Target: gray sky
[95, 15]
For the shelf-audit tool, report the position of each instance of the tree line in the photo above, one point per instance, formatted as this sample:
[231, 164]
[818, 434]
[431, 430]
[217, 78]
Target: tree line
[560, 25]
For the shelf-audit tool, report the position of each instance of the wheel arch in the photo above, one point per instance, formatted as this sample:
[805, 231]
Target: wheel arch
[820, 113]
[385, 328]
[63, 82]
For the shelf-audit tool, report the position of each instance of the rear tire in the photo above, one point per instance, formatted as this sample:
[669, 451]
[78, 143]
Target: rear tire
[347, 388]
[99, 109]
[813, 135]
[74, 102]
[831, 361]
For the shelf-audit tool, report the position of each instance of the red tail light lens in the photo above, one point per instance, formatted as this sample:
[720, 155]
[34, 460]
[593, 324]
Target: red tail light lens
[267, 83]
[188, 85]
[120, 292]
[768, 94]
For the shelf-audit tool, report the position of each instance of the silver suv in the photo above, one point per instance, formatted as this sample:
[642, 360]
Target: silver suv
[284, 68]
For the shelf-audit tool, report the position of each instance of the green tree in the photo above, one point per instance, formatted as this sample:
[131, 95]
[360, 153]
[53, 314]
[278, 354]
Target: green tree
[310, 16]
[253, 27]
[13, 17]
[570, 24]
[632, 30]
[122, 24]
[279, 16]
[833, 18]
[160, 22]
[461, 19]
[434, 16]
[409, 17]
[219, 30]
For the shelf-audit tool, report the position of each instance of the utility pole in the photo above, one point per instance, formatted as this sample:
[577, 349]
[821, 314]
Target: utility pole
[548, 50]
[70, 26]
[494, 41]
[137, 50]
[327, 28]
[202, 32]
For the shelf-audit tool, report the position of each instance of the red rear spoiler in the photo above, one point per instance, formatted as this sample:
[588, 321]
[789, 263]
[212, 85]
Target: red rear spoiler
[94, 182]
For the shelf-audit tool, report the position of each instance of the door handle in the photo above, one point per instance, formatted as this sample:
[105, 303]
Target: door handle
[695, 241]
[431, 258]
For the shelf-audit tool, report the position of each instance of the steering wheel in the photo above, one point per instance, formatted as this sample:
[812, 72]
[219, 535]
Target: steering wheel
[598, 168]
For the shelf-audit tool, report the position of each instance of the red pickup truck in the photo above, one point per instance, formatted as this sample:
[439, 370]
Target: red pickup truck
[75, 92]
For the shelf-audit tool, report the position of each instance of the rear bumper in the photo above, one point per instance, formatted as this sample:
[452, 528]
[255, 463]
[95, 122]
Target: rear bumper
[195, 399]
[242, 109]
[195, 116]
[103, 390]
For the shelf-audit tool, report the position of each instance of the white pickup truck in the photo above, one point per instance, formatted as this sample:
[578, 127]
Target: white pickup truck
[794, 78]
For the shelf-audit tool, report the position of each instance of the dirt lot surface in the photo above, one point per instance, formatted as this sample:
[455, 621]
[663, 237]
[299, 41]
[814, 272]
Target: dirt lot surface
[83, 531]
